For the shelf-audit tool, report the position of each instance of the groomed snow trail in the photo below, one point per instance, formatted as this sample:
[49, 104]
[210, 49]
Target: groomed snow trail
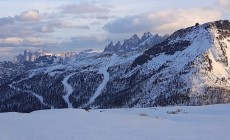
[105, 73]
[39, 97]
[68, 89]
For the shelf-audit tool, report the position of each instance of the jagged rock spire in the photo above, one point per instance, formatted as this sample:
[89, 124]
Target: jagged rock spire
[134, 43]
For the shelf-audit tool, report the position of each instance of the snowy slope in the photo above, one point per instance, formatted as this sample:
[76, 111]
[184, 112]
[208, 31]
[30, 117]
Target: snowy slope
[39, 97]
[104, 71]
[189, 123]
[68, 89]
[190, 67]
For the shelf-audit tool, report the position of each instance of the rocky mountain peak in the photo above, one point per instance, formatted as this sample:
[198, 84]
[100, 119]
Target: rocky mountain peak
[32, 56]
[183, 38]
[118, 44]
[134, 40]
[134, 43]
[134, 37]
[111, 44]
[190, 67]
[221, 24]
[145, 36]
[109, 47]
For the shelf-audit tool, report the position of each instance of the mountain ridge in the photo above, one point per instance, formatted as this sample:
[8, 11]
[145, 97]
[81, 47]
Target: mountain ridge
[135, 43]
[30, 56]
[190, 67]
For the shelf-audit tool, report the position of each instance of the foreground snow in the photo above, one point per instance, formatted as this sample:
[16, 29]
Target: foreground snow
[164, 123]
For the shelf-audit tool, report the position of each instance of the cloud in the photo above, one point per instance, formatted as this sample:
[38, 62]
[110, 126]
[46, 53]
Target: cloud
[95, 23]
[224, 3]
[84, 8]
[6, 53]
[32, 41]
[6, 20]
[30, 23]
[50, 26]
[33, 30]
[82, 42]
[11, 40]
[87, 10]
[128, 24]
[90, 38]
[19, 41]
[31, 15]
[163, 21]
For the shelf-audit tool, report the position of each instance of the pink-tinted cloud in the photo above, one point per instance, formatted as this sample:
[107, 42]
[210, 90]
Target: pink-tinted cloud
[224, 3]
[31, 15]
[165, 21]
[11, 40]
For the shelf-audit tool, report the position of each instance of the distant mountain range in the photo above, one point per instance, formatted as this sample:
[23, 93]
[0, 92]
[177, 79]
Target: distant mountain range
[189, 67]
[33, 56]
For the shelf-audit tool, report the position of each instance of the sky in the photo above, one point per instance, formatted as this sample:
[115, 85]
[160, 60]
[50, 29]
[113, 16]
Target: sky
[76, 25]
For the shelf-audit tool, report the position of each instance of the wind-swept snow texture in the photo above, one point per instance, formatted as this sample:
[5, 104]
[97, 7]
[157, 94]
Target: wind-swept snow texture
[160, 123]
[105, 73]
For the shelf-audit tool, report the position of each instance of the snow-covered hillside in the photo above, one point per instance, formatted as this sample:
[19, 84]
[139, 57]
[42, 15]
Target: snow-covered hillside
[190, 67]
[157, 123]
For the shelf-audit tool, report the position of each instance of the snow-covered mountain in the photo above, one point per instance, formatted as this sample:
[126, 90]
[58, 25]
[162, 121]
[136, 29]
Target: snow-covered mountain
[190, 67]
[135, 43]
[33, 56]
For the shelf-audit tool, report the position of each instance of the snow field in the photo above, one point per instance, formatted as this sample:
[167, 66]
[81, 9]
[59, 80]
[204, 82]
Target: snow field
[162, 123]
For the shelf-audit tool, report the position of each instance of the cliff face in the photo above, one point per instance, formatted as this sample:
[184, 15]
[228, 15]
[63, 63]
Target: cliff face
[190, 67]
[135, 43]
[38, 55]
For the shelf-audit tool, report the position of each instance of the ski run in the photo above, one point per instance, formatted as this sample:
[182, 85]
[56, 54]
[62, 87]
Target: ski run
[68, 89]
[105, 73]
